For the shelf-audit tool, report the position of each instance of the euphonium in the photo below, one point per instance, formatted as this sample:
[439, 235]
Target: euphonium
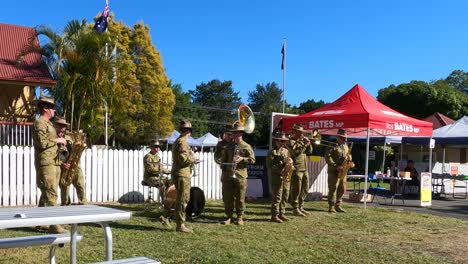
[78, 146]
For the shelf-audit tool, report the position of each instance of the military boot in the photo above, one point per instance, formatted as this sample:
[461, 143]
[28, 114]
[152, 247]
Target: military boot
[276, 219]
[283, 217]
[57, 229]
[303, 211]
[339, 209]
[297, 212]
[240, 221]
[42, 228]
[182, 228]
[228, 221]
[331, 210]
[165, 222]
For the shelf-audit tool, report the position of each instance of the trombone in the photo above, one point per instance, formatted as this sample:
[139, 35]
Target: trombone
[316, 139]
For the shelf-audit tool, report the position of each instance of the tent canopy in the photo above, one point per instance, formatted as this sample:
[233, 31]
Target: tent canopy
[175, 134]
[356, 111]
[207, 140]
[455, 133]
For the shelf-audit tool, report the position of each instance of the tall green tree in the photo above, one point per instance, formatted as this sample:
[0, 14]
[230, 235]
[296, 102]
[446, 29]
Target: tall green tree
[264, 100]
[156, 95]
[420, 99]
[184, 108]
[311, 105]
[129, 84]
[219, 99]
[459, 80]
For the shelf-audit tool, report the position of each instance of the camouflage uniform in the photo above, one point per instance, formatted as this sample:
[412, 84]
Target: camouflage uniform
[219, 154]
[46, 161]
[153, 173]
[336, 186]
[300, 178]
[78, 178]
[276, 161]
[183, 160]
[235, 178]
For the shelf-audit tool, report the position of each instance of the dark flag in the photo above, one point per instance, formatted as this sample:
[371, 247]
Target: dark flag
[283, 51]
[101, 24]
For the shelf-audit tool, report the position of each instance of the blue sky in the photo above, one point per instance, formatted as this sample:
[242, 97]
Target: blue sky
[331, 45]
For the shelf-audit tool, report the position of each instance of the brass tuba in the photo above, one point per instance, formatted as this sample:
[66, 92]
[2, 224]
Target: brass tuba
[246, 118]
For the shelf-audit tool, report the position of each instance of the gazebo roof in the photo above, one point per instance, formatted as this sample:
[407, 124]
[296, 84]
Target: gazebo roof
[31, 70]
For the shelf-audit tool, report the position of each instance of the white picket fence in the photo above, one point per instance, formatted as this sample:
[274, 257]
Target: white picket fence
[110, 175]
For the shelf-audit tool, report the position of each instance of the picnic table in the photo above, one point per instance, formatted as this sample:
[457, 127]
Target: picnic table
[62, 215]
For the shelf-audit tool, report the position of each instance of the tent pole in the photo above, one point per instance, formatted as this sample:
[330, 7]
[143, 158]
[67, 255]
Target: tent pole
[430, 157]
[383, 158]
[366, 171]
[443, 161]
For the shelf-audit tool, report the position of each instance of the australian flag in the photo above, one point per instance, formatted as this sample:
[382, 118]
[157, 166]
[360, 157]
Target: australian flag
[101, 24]
[283, 59]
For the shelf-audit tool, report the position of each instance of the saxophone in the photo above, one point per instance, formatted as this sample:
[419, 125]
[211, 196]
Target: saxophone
[288, 170]
[347, 163]
[78, 145]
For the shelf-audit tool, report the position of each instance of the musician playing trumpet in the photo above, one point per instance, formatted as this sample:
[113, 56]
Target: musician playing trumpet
[299, 147]
[155, 174]
[280, 165]
[335, 158]
[64, 152]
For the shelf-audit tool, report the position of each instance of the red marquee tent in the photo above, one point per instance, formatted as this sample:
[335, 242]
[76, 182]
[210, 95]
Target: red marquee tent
[360, 114]
[356, 111]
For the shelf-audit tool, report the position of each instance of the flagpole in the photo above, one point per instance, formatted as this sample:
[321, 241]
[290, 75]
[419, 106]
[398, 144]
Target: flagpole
[284, 73]
[106, 135]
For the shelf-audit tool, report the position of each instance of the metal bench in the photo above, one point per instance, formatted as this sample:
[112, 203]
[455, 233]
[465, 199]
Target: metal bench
[134, 260]
[53, 240]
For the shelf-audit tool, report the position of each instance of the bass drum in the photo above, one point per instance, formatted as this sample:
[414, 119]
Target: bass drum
[195, 205]
[170, 198]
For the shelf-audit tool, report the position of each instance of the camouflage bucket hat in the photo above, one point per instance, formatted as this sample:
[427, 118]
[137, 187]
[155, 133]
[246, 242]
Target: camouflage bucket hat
[298, 127]
[341, 132]
[185, 124]
[60, 121]
[46, 101]
[280, 136]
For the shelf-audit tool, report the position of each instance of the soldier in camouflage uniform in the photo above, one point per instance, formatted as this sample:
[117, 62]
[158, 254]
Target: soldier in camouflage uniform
[46, 157]
[277, 160]
[154, 170]
[239, 153]
[336, 186]
[220, 152]
[299, 147]
[182, 160]
[64, 151]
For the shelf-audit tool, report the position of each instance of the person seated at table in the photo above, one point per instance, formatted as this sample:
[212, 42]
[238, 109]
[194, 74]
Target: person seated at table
[413, 173]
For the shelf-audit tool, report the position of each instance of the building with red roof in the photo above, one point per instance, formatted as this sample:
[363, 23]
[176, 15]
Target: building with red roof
[20, 77]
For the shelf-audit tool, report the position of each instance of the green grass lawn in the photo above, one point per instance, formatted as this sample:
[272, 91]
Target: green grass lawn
[375, 235]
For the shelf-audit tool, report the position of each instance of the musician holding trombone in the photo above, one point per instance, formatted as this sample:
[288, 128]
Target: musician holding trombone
[299, 147]
[238, 154]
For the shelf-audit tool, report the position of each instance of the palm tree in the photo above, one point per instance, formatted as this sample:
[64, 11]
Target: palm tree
[78, 61]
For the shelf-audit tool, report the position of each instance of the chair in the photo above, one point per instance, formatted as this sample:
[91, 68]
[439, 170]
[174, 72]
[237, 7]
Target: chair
[150, 191]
